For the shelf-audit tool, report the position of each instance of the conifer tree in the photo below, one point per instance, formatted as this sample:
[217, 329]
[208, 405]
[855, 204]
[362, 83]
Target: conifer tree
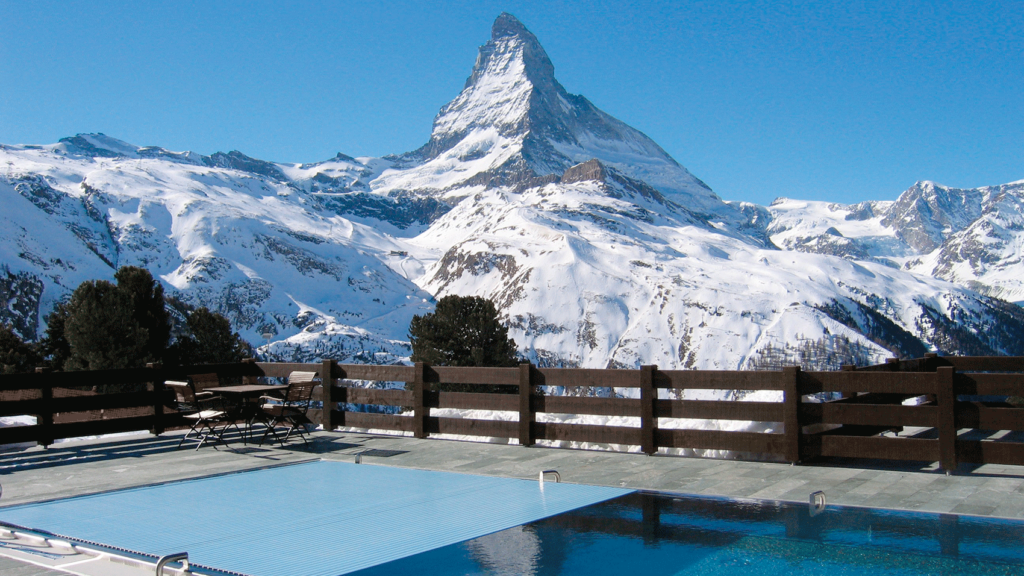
[16, 356]
[462, 331]
[101, 329]
[54, 345]
[210, 341]
[146, 297]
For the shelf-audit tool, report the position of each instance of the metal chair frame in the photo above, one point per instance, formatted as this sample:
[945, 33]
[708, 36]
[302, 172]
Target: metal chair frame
[292, 410]
[206, 411]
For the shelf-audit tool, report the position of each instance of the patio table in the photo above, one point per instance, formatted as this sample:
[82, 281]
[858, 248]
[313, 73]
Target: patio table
[246, 401]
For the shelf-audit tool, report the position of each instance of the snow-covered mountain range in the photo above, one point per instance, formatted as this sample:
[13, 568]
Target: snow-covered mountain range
[970, 237]
[598, 247]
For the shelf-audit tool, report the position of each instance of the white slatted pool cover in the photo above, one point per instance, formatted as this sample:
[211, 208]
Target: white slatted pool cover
[315, 519]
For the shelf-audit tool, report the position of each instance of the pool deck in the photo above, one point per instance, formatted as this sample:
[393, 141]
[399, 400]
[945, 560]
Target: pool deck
[86, 467]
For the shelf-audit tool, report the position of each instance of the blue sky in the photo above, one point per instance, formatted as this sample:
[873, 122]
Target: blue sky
[843, 101]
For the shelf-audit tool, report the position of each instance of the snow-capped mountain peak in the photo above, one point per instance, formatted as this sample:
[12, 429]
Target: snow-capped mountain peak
[514, 122]
[511, 79]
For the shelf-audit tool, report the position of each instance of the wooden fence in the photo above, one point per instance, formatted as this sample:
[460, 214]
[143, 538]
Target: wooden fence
[76, 404]
[861, 405]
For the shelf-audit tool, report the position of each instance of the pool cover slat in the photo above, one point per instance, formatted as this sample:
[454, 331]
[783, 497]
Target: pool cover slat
[315, 519]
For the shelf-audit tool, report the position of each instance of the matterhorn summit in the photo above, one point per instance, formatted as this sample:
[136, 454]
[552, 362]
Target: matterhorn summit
[514, 123]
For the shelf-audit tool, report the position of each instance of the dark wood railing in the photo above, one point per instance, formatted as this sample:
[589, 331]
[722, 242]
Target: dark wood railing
[860, 406]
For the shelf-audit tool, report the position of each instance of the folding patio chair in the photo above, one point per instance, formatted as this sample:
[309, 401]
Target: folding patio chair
[205, 413]
[291, 411]
[200, 382]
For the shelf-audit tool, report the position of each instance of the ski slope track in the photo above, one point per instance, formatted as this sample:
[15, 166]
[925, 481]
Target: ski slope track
[599, 249]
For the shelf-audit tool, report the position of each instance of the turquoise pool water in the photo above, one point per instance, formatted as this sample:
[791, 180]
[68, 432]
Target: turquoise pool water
[658, 534]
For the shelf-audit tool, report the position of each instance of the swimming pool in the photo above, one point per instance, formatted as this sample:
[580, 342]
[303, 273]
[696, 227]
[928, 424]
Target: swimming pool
[314, 519]
[332, 518]
[660, 534]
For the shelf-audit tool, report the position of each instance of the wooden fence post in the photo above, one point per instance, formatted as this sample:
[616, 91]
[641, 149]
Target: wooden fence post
[946, 395]
[648, 396]
[791, 412]
[158, 398]
[246, 378]
[45, 420]
[847, 368]
[526, 415]
[420, 412]
[327, 381]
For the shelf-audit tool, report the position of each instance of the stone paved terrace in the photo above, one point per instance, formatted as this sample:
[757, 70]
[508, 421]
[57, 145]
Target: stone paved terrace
[85, 467]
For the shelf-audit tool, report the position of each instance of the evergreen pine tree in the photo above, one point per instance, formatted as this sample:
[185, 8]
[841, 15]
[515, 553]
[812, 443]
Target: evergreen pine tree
[15, 355]
[54, 345]
[210, 341]
[101, 329]
[462, 331]
[146, 297]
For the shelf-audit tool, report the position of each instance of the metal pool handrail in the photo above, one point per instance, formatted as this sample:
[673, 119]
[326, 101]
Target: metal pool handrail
[817, 503]
[176, 557]
[130, 557]
[540, 477]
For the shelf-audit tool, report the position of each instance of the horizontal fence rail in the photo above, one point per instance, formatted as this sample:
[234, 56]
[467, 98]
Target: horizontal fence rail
[949, 410]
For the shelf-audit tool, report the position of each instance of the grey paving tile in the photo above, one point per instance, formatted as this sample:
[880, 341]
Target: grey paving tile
[14, 568]
[940, 505]
[853, 500]
[974, 509]
[882, 500]
[1004, 485]
[776, 490]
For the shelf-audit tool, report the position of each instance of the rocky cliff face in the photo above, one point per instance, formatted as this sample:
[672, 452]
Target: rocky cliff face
[926, 214]
[599, 249]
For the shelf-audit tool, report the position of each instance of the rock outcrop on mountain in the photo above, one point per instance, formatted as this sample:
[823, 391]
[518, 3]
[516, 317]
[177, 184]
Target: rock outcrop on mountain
[599, 249]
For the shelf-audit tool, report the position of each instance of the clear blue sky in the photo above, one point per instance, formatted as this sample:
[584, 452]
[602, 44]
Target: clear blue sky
[842, 101]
